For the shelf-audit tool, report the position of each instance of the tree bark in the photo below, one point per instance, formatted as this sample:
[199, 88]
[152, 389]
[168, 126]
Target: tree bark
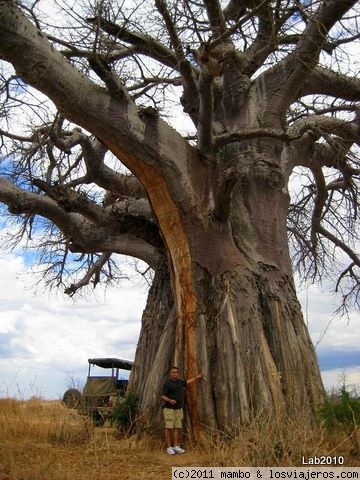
[235, 317]
[252, 347]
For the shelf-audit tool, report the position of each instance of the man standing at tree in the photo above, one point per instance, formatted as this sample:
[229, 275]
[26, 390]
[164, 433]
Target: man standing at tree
[173, 395]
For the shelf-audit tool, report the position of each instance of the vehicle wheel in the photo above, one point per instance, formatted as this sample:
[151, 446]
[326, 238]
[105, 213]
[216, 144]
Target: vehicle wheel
[72, 398]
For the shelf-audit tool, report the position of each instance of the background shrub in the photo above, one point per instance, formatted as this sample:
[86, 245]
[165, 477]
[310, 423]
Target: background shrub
[124, 412]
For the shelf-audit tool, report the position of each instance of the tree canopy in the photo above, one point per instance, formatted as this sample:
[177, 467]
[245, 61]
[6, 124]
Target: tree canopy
[155, 56]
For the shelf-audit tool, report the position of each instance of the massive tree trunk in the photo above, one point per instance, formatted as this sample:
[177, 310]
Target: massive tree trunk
[236, 317]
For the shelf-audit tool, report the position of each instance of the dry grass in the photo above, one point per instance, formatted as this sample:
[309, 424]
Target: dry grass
[42, 440]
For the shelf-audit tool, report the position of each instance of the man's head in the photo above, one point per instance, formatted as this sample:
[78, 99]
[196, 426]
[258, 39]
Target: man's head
[174, 373]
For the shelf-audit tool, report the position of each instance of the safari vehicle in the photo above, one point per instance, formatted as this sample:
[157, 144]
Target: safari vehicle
[100, 391]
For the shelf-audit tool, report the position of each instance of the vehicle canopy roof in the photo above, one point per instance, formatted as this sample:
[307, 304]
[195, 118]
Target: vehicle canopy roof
[111, 363]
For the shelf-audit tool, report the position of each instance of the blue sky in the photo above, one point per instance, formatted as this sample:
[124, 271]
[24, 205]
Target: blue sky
[46, 339]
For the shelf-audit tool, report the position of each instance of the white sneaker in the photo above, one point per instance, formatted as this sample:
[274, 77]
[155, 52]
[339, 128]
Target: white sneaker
[178, 449]
[170, 451]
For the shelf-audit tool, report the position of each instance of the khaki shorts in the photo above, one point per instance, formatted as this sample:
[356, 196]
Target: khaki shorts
[173, 417]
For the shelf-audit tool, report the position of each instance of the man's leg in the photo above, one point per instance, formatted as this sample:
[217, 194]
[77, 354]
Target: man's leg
[168, 437]
[176, 436]
[177, 429]
[169, 427]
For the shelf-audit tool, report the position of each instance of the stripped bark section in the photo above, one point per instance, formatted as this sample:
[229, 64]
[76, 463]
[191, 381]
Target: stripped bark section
[172, 229]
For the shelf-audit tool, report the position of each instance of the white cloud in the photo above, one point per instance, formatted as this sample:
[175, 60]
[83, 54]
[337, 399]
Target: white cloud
[338, 377]
[326, 329]
[46, 339]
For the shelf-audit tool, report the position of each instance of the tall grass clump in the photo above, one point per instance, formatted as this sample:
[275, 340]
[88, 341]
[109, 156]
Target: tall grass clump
[34, 436]
[288, 440]
[44, 421]
[266, 441]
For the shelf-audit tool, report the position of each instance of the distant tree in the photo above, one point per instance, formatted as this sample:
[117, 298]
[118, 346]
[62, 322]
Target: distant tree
[270, 92]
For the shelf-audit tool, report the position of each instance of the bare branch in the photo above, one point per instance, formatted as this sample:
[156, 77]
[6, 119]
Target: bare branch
[234, 28]
[205, 142]
[93, 273]
[71, 201]
[352, 291]
[247, 134]
[321, 125]
[295, 69]
[13, 136]
[340, 244]
[144, 43]
[109, 77]
[265, 41]
[83, 235]
[216, 17]
[326, 82]
[175, 40]
[319, 204]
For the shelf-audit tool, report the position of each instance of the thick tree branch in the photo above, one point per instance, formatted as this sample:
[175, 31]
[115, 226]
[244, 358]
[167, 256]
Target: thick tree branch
[93, 273]
[239, 22]
[109, 77]
[22, 202]
[265, 41]
[234, 10]
[319, 204]
[190, 96]
[205, 133]
[312, 40]
[321, 125]
[14, 136]
[339, 134]
[237, 136]
[137, 208]
[188, 74]
[126, 213]
[292, 72]
[145, 44]
[117, 184]
[66, 142]
[326, 82]
[216, 17]
[93, 153]
[45, 68]
[71, 201]
[171, 29]
[328, 46]
[332, 155]
[84, 235]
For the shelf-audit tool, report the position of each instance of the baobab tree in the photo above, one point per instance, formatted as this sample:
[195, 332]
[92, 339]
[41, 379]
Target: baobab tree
[269, 90]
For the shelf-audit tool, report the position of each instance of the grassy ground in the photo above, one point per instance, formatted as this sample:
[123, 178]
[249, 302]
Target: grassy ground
[43, 440]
